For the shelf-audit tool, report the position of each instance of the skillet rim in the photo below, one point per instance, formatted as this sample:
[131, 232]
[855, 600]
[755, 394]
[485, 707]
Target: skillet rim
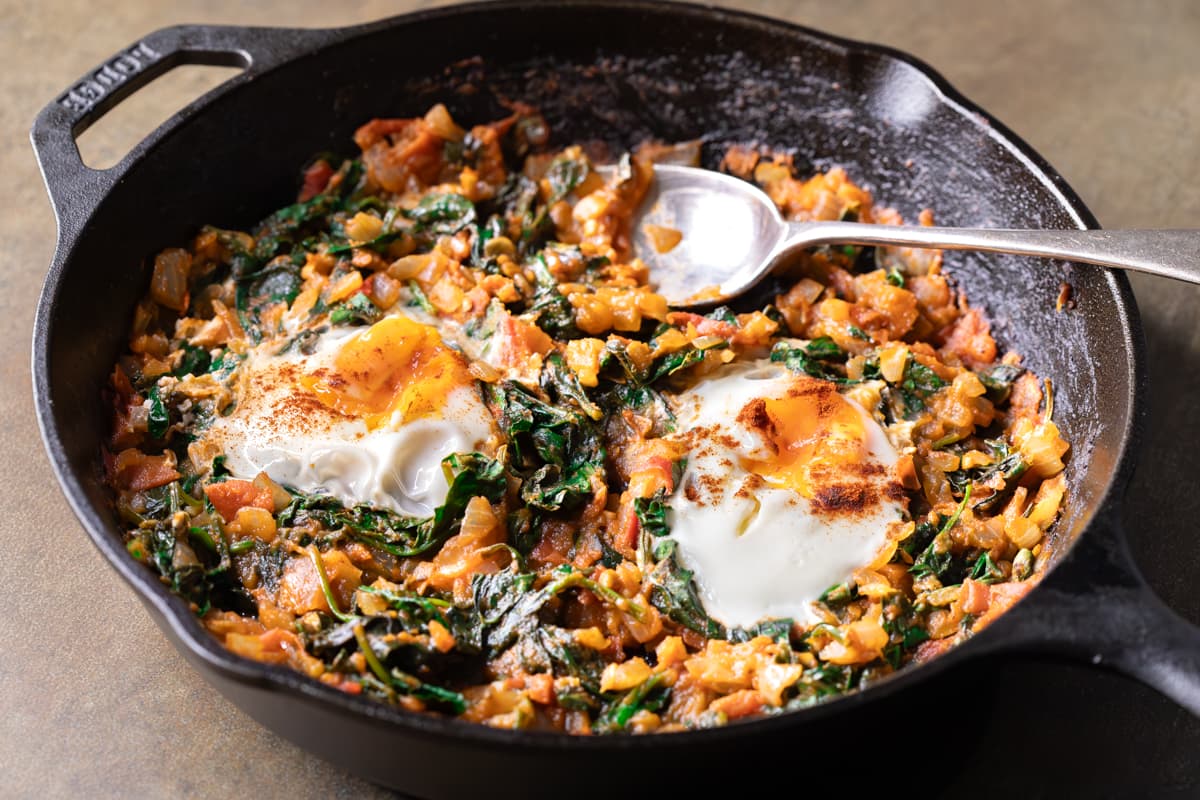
[201, 650]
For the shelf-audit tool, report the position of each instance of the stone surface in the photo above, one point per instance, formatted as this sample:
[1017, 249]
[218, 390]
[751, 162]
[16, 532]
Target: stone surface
[95, 703]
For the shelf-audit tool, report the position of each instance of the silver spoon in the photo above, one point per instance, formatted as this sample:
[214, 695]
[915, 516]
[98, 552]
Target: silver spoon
[733, 236]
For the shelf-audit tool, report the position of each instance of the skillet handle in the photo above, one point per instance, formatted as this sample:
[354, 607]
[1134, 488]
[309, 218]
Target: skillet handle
[76, 189]
[1096, 607]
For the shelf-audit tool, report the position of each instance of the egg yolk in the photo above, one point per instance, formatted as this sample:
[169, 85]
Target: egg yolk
[814, 435]
[396, 367]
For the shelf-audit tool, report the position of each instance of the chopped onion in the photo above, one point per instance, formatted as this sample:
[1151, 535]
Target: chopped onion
[169, 284]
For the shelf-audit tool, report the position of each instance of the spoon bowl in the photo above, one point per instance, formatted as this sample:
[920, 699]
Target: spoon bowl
[729, 229]
[707, 237]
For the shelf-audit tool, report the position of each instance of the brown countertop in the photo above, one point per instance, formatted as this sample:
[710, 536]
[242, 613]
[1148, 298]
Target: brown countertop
[95, 703]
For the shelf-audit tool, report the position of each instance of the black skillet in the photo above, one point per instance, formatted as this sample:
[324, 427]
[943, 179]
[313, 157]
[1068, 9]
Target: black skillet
[620, 72]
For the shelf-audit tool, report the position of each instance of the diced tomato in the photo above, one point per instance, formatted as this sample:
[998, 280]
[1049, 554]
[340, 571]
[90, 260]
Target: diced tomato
[704, 325]
[1002, 597]
[395, 150]
[519, 339]
[932, 649]
[350, 687]
[229, 496]
[555, 543]
[653, 468]
[742, 703]
[120, 383]
[316, 178]
[974, 597]
[489, 159]
[540, 688]
[133, 469]
[970, 338]
[300, 589]
[628, 527]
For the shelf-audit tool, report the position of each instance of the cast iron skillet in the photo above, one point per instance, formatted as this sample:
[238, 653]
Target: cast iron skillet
[618, 71]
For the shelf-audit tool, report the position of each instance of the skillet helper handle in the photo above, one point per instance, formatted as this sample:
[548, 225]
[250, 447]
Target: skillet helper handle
[1097, 608]
[76, 189]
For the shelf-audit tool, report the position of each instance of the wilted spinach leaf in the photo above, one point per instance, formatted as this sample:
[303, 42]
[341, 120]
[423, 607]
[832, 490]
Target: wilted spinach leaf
[443, 213]
[159, 419]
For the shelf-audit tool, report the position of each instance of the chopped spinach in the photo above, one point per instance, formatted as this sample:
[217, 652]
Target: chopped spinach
[195, 361]
[821, 682]
[557, 452]
[916, 385]
[550, 307]
[820, 358]
[564, 175]
[159, 420]
[839, 594]
[938, 559]
[985, 570]
[562, 383]
[651, 695]
[276, 284]
[998, 381]
[777, 629]
[905, 626]
[472, 475]
[358, 310]
[685, 357]
[442, 213]
[1000, 476]
[673, 592]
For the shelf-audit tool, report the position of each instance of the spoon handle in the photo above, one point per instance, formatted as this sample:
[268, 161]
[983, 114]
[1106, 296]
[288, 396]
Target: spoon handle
[1168, 253]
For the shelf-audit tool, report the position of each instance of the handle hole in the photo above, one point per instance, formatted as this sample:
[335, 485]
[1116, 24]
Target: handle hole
[120, 129]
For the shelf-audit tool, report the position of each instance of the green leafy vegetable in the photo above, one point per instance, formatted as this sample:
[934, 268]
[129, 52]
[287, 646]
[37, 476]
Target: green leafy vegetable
[419, 299]
[554, 313]
[839, 594]
[651, 695]
[563, 384]
[916, 385]
[998, 478]
[685, 357]
[444, 213]
[277, 284]
[820, 358]
[937, 559]
[470, 475]
[159, 420]
[673, 592]
[194, 361]
[986, 571]
[404, 683]
[998, 381]
[319, 564]
[558, 452]
[564, 174]
[387, 235]
[906, 629]
[358, 310]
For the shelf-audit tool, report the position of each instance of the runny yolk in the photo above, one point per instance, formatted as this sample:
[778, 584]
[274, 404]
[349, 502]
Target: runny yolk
[816, 437]
[396, 367]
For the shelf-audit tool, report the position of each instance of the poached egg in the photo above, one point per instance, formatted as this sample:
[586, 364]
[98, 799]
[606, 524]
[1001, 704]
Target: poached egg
[367, 416]
[789, 487]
